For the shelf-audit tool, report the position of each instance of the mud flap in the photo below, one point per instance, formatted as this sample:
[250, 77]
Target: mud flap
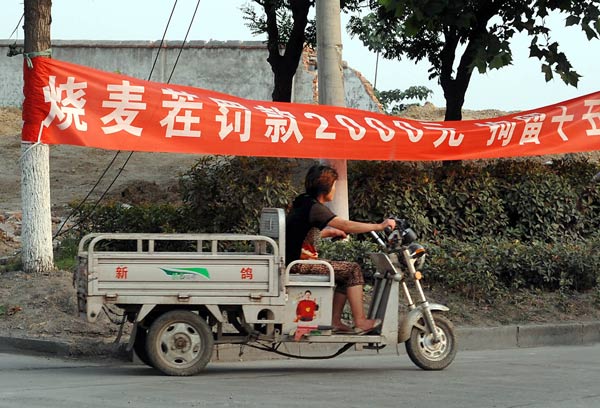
[406, 324]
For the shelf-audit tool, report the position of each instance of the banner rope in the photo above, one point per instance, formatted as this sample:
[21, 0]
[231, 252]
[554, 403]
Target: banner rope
[29, 55]
[37, 142]
[14, 49]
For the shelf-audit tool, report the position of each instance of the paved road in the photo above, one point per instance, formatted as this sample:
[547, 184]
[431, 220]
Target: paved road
[550, 377]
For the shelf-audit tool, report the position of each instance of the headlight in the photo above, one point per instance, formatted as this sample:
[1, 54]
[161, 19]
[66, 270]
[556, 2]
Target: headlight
[408, 236]
[398, 238]
[417, 252]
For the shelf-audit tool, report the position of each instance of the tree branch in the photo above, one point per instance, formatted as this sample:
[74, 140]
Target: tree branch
[447, 57]
[270, 7]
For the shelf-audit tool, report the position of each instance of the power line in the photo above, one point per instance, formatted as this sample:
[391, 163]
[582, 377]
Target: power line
[86, 197]
[162, 40]
[17, 27]
[80, 205]
[131, 153]
[184, 40]
[168, 81]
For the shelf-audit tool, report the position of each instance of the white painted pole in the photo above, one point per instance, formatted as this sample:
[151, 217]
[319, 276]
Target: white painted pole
[331, 84]
[36, 232]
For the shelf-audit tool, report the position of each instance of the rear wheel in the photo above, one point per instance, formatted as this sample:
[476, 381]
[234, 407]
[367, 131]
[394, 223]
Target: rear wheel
[425, 352]
[179, 343]
[139, 345]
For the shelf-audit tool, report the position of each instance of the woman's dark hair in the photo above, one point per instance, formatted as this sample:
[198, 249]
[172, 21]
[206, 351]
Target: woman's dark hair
[319, 180]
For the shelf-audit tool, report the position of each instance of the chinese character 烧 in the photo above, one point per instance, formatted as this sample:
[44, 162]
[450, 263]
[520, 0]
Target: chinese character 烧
[66, 103]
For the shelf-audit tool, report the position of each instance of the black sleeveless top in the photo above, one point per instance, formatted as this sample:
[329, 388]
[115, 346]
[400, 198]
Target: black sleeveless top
[306, 213]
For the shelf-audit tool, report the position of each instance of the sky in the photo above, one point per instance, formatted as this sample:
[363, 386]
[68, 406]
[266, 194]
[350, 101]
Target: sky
[517, 87]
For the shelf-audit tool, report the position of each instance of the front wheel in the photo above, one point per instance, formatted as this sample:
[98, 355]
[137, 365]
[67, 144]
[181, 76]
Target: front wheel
[179, 343]
[425, 352]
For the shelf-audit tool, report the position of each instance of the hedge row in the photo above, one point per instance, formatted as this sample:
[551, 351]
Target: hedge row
[522, 200]
[493, 266]
[489, 227]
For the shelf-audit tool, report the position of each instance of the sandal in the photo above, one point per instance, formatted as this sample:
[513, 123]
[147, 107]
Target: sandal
[343, 330]
[376, 324]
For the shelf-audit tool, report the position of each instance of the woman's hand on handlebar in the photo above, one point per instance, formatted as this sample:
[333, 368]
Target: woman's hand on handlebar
[389, 223]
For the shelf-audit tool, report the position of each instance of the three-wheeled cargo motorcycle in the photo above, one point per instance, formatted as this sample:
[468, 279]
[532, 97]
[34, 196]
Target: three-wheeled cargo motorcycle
[187, 293]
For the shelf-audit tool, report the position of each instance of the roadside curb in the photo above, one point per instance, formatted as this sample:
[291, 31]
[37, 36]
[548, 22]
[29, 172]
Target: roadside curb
[530, 335]
[468, 338]
[58, 348]
[49, 347]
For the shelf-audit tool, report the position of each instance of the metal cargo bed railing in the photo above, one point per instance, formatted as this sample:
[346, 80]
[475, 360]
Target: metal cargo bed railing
[146, 243]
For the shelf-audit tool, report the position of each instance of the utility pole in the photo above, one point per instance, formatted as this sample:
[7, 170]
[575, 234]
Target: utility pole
[36, 234]
[331, 84]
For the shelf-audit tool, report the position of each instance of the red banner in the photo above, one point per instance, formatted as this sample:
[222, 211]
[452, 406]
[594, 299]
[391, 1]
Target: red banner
[72, 104]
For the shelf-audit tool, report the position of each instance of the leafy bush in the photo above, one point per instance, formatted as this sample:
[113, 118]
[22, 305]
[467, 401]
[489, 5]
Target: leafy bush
[524, 200]
[221, 194]
[473, 203]
[115, 217]
[226, 194]
[588, 206]
[492, 266]
[484, 270]
[542, 208]
[463, 267]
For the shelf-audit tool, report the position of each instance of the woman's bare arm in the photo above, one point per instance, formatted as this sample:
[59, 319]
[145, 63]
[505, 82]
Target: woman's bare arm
[355, 227]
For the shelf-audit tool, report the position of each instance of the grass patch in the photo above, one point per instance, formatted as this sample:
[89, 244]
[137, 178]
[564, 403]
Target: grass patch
[65, 254]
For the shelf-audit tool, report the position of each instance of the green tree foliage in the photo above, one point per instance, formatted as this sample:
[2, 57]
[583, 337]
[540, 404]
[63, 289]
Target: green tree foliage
[289, 31]
[439, 30]
[392, 100]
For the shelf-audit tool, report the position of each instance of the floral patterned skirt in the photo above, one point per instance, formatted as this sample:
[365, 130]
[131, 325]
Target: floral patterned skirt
[346, 273]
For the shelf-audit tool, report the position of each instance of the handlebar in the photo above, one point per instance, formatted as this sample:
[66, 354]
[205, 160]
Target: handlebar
[378, 239]
[401, 235]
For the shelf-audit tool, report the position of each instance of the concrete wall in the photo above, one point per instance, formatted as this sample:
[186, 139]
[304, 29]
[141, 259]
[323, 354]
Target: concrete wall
[232, 67]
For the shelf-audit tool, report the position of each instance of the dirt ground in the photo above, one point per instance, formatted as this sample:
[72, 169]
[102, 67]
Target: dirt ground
[45, 306]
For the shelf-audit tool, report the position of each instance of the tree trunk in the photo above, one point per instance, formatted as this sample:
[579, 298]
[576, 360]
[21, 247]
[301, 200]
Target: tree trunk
[455, 88]
[455, 98]
[36, 234]
[454, 104]
[283, 81]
